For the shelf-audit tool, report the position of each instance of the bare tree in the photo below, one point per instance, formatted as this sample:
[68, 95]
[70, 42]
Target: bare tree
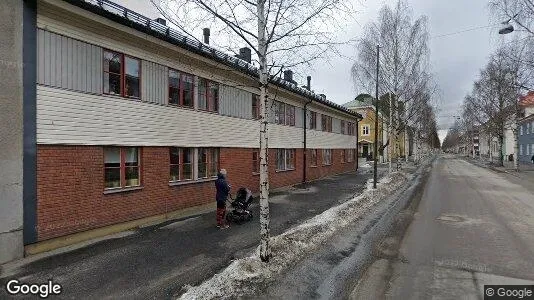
[404, 60]
[520, 11]
[281, 34]
[493, 101]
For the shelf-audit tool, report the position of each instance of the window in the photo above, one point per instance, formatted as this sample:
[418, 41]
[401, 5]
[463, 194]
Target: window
[255, 161]
[342, 127]
[343, 156]
[313, 120]
[326, 122]
[521, 130]
[285, 159]
[521, 149]
[313, 157]
[122, 167]
[327, 157]
[181, 167]
[255, 107]
[208, 162]
[365, 129]
[350, 156]
[122, 75]
[350, 128]
[284, 114]
[208, 95]
[528, 149]
[180, 88]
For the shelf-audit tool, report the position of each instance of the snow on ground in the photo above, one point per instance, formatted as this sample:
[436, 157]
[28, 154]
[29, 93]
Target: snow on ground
[243, 276]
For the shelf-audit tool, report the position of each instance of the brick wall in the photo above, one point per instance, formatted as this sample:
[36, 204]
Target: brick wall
[70, 185]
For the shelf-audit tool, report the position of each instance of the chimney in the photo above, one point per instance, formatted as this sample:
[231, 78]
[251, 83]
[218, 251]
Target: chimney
[288, 76]
[323, 96]
[161, 21]
[206, 32]
[308, 86]
[245, 54]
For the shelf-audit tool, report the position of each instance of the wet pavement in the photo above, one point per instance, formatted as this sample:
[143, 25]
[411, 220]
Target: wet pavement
[157, 261]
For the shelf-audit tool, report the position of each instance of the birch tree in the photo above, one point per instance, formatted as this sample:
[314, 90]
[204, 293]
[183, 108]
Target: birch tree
[280, 33]
[404, 60]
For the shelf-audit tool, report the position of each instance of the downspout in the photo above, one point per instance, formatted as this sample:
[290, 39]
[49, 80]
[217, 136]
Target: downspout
[357, 136]
[305, 157]
[305, 152]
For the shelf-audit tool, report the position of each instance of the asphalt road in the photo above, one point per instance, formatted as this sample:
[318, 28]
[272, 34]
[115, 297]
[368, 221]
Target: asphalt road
[473, 227]
[156, 262]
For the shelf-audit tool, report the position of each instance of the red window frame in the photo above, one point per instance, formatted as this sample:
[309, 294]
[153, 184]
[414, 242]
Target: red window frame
[183, 78]
[327, 157]
[255, 106]
[313, 120]
[122, 74]
[290, 114]
[255, 161]
[181, 165]
[342, 127]
[326, 123]
[343, 156]
[287, 156]
[313, 157]
[206, 88]
[123, 167]
[211, 165]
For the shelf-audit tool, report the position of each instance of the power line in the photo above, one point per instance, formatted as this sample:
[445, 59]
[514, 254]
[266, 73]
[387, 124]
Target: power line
[462, 31]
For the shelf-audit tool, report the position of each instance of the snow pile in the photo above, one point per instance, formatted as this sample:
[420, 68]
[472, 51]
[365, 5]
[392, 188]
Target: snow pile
[243, 276]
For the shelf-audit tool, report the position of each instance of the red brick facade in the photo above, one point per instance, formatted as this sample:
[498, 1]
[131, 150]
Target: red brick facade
[70, 185]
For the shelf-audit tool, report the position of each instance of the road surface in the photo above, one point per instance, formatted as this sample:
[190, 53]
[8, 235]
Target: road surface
[473, 227]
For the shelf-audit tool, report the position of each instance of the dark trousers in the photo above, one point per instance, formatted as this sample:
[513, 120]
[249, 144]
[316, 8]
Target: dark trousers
[221, 212]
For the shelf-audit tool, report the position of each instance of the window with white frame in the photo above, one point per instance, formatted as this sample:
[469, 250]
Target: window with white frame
[528, 150]
[181, 164]
[122, 167]
[520, 129]
[520, 149]
[207, 162]
[365, 130]
[327, 157]
[285, 159]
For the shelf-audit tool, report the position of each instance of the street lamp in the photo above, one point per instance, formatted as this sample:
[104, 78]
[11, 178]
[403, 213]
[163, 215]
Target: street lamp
[508, 28]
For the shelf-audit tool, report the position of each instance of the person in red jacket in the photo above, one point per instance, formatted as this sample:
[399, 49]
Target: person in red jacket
[223, 189]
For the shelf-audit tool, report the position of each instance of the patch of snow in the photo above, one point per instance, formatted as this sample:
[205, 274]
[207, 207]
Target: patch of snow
[244, 276]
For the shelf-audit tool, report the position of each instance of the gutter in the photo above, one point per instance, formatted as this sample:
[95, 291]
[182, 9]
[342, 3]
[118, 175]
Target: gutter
[128, 18]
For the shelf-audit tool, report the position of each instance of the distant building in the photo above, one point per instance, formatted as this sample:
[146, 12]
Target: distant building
[526, 128]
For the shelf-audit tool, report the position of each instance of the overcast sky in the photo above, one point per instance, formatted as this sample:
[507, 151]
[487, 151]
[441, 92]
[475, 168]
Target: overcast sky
[456, 59]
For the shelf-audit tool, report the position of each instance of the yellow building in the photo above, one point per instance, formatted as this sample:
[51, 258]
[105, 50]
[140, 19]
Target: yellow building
[366, 130]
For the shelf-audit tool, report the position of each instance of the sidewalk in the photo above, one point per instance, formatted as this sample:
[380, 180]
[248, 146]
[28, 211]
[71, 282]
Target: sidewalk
[525, 174]
[156, 262]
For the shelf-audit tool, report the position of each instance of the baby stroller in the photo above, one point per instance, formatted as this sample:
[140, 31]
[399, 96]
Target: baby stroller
[240, 204]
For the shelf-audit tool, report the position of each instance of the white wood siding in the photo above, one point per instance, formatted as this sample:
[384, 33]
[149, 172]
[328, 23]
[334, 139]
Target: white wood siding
[69, 117]
[235, 102]
[154, 82]
[68, 63]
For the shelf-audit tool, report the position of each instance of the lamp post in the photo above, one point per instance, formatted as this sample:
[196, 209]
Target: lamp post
[509, 28]
[376, 120]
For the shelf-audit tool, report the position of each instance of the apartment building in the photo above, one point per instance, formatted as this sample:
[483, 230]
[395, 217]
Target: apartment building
[133, 120]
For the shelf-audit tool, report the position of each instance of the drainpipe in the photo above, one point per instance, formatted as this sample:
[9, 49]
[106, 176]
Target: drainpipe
[357, 135]
[305, 157]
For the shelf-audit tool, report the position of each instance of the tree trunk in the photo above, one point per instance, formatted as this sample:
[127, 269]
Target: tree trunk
[390, 132]
[516, 146]
[265, 251]
[501, 152]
